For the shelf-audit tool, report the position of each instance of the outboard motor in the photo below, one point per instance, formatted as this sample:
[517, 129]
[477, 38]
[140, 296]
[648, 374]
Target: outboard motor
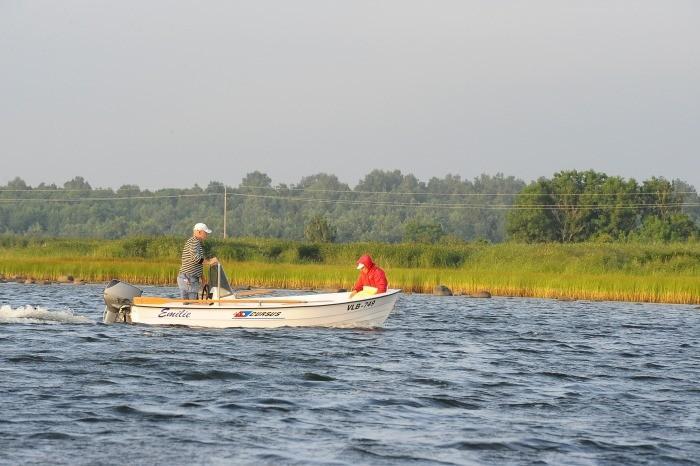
[118, 300]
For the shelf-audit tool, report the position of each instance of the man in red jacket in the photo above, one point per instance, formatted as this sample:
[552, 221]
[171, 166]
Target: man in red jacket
[370, 275]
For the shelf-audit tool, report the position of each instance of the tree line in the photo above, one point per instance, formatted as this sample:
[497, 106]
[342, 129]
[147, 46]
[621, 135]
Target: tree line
[587, 205]
[387, 206]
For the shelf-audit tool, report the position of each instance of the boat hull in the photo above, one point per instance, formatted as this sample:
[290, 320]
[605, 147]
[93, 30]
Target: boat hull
[324, 310]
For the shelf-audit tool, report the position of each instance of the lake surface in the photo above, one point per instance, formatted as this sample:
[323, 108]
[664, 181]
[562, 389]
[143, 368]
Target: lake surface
[449, 380]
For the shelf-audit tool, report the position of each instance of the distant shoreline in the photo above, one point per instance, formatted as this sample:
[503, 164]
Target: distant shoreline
[656, 273]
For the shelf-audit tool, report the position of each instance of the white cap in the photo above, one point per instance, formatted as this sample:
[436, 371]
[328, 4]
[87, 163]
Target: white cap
[201, 226]
[360, 266]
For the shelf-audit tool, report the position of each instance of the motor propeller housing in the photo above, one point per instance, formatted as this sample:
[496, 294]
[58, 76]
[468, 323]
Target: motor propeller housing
[118, 297]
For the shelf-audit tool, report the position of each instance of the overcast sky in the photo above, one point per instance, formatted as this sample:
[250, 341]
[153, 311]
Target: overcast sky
[164, 93]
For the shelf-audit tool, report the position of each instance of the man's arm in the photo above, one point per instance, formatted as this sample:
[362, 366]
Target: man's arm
[357, 287]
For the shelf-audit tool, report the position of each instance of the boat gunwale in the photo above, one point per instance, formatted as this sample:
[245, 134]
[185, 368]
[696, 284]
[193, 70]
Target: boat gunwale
[202, 304]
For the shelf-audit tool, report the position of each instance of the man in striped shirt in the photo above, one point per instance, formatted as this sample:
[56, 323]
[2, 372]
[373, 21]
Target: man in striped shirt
[190, 275]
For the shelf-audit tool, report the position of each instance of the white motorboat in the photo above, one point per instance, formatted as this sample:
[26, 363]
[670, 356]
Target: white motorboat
[222, 308]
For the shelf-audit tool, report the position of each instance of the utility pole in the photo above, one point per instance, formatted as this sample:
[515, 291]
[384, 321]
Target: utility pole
[225, 211]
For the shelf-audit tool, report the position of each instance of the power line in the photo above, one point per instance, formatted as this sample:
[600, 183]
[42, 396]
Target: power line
[470, 206]
[424, 193]
[85, 190]
[361, 202]
[113, 198]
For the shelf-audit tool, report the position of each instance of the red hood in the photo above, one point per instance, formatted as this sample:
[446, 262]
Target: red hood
[366, 260]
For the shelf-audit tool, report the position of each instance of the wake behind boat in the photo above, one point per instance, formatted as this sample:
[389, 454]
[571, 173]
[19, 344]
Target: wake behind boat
[223, 309]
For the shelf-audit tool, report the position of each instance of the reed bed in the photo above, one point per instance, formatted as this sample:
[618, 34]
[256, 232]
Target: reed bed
[663, 273]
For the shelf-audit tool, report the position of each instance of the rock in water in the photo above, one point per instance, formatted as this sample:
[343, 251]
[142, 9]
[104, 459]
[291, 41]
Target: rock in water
[481, 294]
[442, 290]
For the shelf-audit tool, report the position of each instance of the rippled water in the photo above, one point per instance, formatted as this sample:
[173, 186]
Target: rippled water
[448, 381]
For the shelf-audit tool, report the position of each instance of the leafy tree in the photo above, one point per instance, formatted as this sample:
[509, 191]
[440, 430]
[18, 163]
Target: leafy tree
[323, 182]
[17, 183]
[690, 198]
[579, 206]
[77, 183]
[129, 189]
[319, 230]
[615, 219]
[419, 232]
[256, 179]
[660, 198]
[215, 187]
[528, 221]
[379, 181]
[676, 227]
[573, 206]
[574, 195]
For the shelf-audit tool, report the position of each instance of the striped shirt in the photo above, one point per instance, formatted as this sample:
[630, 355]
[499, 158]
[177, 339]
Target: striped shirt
[192, 257]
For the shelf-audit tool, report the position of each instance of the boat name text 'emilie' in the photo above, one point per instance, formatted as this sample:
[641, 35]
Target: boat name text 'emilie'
[166, 312]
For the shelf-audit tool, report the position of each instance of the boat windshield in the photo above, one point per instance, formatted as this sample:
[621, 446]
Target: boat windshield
[218, 279]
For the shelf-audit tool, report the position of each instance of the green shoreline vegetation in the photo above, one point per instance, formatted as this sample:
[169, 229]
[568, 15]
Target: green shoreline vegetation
[574, 235]
[622, 271]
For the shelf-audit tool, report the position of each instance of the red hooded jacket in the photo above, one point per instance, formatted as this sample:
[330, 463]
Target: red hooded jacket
[374, 277]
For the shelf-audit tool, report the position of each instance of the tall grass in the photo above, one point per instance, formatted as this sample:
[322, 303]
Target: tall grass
[596, 271]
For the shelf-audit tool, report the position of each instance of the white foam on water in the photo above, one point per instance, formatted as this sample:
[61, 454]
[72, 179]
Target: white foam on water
[39, 315]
